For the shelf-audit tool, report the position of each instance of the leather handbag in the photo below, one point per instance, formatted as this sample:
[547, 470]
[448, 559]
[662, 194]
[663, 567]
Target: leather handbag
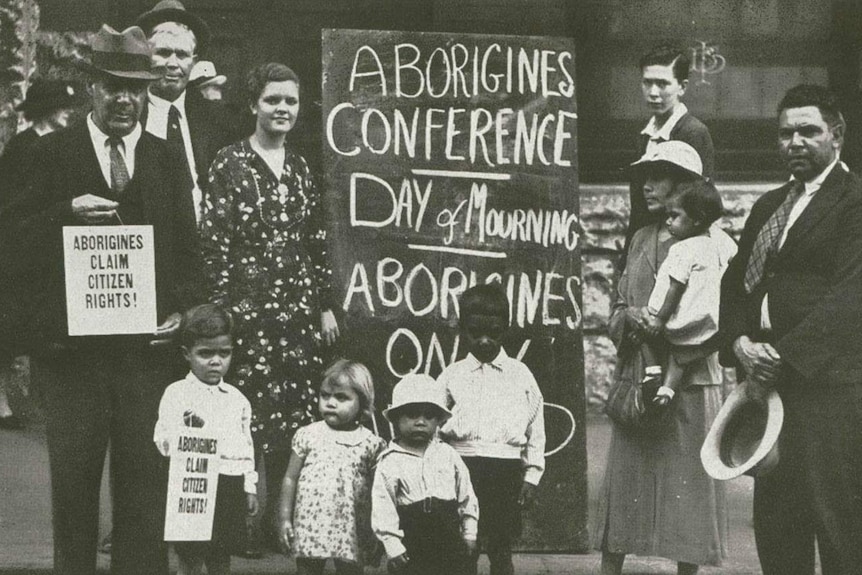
[625, 404]
[629, 403]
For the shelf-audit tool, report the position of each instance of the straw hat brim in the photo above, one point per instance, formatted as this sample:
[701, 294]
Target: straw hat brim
[646, 165]
[731, 425]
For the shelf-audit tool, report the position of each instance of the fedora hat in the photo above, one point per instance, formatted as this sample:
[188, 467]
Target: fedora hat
[673, 154]
[174, 11]
[204, 74]
[123, 54]
[415, 389]
[744, 436]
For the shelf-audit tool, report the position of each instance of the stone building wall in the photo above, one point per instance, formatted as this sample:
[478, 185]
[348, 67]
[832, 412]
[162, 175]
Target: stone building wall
[604, 214]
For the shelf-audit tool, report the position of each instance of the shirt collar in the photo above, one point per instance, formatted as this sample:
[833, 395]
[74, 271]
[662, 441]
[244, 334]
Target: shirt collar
[100, 138]
[497, 363]
[814, 185]
[663, 133]
[162, 106]
[393, 447]
[193, 379]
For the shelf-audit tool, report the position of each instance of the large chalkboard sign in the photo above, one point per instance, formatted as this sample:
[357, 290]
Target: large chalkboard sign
[451, 159]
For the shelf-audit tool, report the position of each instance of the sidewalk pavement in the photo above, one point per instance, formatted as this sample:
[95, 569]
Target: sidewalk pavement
[25, 518]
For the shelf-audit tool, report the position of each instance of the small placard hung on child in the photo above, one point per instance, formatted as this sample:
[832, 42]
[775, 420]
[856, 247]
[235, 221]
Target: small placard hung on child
[110, 279]
[192, 486]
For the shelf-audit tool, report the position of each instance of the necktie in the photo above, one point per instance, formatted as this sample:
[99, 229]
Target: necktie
[177, 146]
[119, 171]
[767, 239]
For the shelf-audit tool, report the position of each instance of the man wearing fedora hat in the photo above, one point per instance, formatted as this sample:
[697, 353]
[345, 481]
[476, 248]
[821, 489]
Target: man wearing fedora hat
[194, 128]
[791, 315]
[105, 390]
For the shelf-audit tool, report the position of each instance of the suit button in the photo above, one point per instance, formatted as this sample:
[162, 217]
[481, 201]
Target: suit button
[770, 275]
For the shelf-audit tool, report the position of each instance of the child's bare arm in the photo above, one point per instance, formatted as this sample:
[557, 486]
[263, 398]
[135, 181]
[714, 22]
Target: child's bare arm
[252, 505]
[671, 301]
[288, 499]
[656, 319]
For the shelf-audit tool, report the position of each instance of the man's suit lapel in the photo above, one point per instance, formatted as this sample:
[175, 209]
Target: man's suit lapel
[148, 198]
[197, 124]
[89, 170]
[145, 113]
[821, 204]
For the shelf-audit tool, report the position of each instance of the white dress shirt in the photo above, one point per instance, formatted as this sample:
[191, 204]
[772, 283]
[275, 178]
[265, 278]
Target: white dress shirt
[157, 124]
[224, 411]
[656, 134]
[497, 412]
[802, 202]
[404, 477]
[103, 148]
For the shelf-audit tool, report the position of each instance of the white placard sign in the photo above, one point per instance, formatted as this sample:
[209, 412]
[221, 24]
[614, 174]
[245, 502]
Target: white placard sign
[110, 279]
[192, 486]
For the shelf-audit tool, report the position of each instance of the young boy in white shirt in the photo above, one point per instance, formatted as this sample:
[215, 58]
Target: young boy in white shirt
[204, 400]
[497, 423]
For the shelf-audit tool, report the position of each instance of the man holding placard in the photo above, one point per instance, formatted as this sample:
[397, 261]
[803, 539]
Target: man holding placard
[106, 387]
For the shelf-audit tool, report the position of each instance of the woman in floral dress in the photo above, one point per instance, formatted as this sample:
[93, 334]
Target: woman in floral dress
[263, 240]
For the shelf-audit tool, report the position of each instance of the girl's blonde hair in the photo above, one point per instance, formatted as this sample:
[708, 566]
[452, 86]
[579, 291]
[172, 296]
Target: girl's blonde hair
[359, 378]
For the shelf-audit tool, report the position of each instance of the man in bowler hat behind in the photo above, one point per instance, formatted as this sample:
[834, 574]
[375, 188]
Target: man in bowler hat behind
[193, 127]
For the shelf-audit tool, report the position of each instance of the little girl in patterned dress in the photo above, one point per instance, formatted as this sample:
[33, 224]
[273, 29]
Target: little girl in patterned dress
[325, 506]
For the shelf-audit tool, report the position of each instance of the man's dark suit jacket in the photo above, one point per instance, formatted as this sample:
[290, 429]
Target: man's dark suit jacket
[814, 284]
[211, 128]
[66, 167]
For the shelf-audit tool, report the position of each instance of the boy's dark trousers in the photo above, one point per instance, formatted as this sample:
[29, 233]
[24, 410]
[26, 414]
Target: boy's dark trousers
[432, 536]
[497, 483]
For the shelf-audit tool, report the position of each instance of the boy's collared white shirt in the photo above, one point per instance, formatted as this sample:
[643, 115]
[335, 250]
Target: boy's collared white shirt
[658, 135]
[497, 412]
[224, 411]
[404, 477]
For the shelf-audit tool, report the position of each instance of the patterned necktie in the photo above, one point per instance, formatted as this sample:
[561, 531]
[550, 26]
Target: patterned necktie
[177, 146]
[767, 239]
[119, 171]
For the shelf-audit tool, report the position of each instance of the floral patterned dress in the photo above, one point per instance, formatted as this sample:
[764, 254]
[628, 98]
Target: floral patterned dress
[332, 515]
[263, 243]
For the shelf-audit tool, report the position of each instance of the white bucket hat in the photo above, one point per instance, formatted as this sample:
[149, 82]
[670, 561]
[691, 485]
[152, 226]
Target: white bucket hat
[744, 436]
[418, 388]
[673, 153]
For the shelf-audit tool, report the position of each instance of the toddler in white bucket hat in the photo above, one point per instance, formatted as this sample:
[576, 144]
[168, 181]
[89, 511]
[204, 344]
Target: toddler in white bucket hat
[424, 510]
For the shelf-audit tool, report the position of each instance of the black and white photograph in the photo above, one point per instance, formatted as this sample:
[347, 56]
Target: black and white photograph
[431, 287]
